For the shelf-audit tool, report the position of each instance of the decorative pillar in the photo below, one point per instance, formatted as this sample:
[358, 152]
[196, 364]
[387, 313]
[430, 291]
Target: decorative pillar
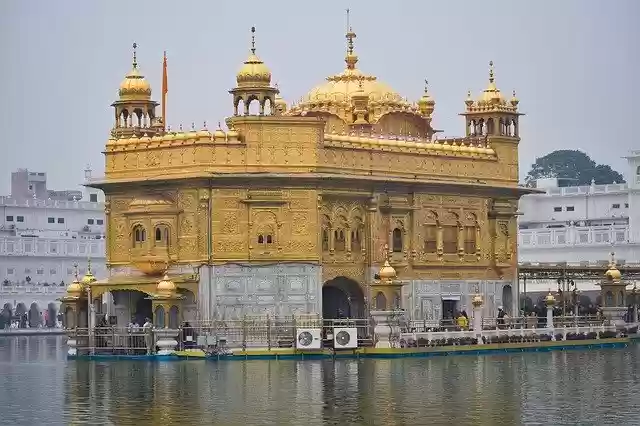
[550, 301]
[391, 289]
[477, 316]
[74, 309]
[163, 301]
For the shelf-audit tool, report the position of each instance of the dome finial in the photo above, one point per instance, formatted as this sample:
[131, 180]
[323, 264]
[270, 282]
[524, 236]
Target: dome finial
[351, 59]
[135, 58]
[253, 40]
[75, 271]
[491, 76]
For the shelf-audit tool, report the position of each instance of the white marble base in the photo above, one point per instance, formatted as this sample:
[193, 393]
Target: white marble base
[615, 315]
[385, 332]
[166, 340]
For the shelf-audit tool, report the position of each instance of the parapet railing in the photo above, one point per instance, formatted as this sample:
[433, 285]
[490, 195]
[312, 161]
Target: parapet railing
[530, 322]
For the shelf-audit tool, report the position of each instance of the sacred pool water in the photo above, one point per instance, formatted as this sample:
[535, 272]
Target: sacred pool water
[39, 386]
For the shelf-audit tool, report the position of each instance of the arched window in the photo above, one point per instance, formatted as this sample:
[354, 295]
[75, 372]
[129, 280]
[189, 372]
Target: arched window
[397, 240]
[621, 298]
[139, 236]
[608, 299]
[339, 240]
[325, 240]
[265, 240]
[381, 301]
[430, 238]
[162, 236]
[356, 243]
[470, 245]
[269, 239]
[450, 239]
[638, 171]
[260, 239]
[159, 320]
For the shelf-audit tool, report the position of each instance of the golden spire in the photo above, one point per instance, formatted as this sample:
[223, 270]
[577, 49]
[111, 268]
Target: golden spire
[351, 59]
[491, 77]
[613, 274]
[75, 288]
[88, 277]
[491, 93]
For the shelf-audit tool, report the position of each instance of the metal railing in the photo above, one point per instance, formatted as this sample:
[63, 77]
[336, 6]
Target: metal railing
[530, 322]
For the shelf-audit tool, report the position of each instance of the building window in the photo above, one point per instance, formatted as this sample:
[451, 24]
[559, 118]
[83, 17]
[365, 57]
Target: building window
[19, 218]
[470, 239]
[265, 240]
[397, 240]
[89, 221]
[615, 206]
[571, 208]
[99, 222]
[557, 209]
[450, 238]
[10, 271]
[52, 272]
[162, 236]
[40, 271]
[355, 240]
[430, 238]
[69, 271]
[61, 220]
[626, 205]
[325, 240]
[93, 198]
[139, 236]
[51, 220]
[9, 218]
[338, 240]
[27, 270]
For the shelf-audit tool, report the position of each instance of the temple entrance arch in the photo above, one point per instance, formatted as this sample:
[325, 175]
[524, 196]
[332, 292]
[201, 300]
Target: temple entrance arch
[131, 305]
[342, 297]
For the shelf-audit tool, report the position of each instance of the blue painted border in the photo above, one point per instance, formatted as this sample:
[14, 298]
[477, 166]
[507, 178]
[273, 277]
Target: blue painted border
[351, 355]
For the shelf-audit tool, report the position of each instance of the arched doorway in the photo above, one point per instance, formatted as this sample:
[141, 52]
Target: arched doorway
[131, 305]
[507, 299]
[35, 318]
[342, 298]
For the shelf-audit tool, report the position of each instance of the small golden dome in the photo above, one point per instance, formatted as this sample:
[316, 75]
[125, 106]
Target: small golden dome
[477, 300]
[550, 300]
[75, 288]
[204, 132]
[219, 133]
[514, 100]
[491, 94]
[613, 274]
[426, 103]
[254, 73]
[134, 86]
[387, 271]
[280, 103]
[166, 286]
[232, 134]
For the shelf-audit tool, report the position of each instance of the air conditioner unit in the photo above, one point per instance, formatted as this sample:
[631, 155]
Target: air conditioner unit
[345, 338]
[308, 338]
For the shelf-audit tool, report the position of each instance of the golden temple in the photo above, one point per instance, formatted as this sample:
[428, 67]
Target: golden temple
[293, 208]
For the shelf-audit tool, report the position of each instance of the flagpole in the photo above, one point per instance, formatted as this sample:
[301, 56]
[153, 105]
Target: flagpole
[164, 91]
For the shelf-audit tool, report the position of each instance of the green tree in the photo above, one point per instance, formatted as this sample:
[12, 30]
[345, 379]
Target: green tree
[574, 165]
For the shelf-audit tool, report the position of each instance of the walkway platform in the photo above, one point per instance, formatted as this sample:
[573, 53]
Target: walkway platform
[32, 332]
[294, 354]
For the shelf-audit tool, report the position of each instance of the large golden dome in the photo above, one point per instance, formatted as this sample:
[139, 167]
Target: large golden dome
[134, 86]
[254, 72]
[335, 96]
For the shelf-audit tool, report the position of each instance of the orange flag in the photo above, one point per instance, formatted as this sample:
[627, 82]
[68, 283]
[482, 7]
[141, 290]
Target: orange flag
[165, 89]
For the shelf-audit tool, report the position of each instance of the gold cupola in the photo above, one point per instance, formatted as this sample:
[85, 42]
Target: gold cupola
[254, 72]
[134, 86]
[355, 102]
[75, 289]
[613, 273]
[89, 278]
[281, 104]
[166, 286]
[254, 85]
[426, 104]
[491, 95]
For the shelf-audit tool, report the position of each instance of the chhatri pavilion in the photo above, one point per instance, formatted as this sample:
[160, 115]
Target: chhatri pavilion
[294, 208]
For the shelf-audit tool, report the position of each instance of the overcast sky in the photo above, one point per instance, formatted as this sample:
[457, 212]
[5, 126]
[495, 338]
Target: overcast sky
[574, 63]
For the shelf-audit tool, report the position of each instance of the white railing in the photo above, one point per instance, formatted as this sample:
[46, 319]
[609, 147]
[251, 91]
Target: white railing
[37, 203]
[24, 246]
[574, 236]
[32, 289]
[584, 190]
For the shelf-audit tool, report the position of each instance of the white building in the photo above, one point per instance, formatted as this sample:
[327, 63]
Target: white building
[41, 239]
[582, 224]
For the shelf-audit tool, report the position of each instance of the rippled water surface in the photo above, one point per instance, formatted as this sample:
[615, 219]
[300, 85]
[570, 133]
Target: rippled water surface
[38, 385]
